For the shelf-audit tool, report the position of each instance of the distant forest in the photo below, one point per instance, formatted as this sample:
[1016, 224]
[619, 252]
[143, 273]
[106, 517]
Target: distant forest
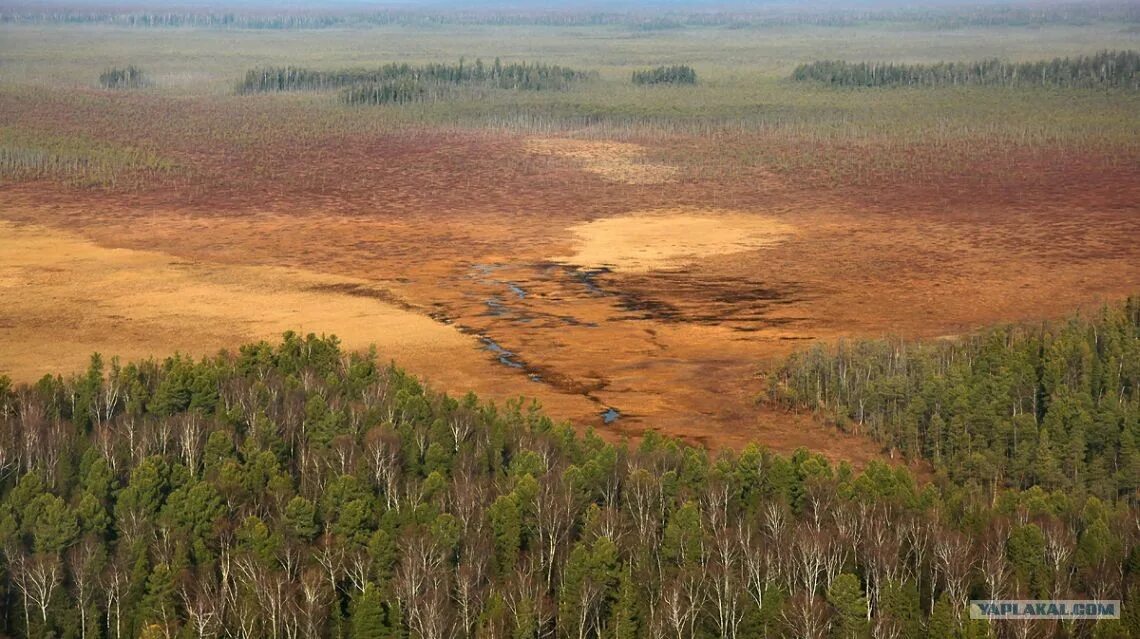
[296, 491]
[1055, 406]
[951, 17]
[1105, 70]
[130, 77]
[401, 83]
[677, 74]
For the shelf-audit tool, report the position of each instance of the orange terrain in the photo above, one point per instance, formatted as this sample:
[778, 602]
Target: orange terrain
[638, 275]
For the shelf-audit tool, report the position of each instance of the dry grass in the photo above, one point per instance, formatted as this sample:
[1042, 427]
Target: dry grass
[621, 162]
[668, 240]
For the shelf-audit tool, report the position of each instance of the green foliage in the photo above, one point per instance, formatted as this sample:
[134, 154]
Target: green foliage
[404, 83]
[130, 77]
[677, 74]
[1105, 70]
[850, 606]
[1056, 406]
[53, 524]
[345, 517]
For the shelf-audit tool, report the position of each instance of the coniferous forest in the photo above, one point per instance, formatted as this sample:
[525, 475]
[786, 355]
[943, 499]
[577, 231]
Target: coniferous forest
[677, 74]
[1105, 70]
[403, 83]
[294, 490]
[1055, 406]
[130, 77]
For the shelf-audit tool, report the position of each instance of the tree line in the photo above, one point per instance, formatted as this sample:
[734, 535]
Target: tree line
[296, 491]
[1055, 406]
[676, 74]
[515, 75]
[1104, 70]
[404, 83]
[130, 77]
[950, 17]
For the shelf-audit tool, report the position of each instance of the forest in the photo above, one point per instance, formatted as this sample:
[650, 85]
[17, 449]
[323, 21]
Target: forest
[1104, 70]
[677, 74]
[947, 17]
[130, 77]
[1055, 405]
[298, 491]
[514, 76]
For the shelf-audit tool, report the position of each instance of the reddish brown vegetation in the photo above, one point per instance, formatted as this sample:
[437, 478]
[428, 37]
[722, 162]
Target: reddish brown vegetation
[968, 236]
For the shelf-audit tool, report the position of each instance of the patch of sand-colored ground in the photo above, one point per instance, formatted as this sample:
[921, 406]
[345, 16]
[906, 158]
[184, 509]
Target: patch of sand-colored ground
[621, 162]
[665, 240]
[67, 297]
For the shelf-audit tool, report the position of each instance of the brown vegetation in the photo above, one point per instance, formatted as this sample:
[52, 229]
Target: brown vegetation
[480, 233]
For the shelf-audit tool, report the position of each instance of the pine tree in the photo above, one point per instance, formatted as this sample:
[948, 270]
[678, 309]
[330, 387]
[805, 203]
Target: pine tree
[847, 599]
[367, 616]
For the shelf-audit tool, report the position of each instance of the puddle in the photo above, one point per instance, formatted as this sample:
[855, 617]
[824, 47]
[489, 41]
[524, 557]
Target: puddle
[506, 358]
[610, 415]
[495, 307]
[588, 277]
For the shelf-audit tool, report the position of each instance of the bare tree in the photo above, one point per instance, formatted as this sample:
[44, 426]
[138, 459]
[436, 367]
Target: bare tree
[682, 598]
[806, 616]
[83, 562]
[726, 576]
[114, 582]
[470, 586]
[422, 584]
[955, 563]
[382, 449]
[314, 602]
[993, 564]
[526, 593]
[554, 510]
[37, 577]
[191, 439]
[271, 589]
[1059, 545]
[200, 598]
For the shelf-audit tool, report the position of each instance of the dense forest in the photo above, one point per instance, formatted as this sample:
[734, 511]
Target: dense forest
[1055, 406]
[130, 77]
[404, 83]
[515, 76]
[1105, 70]
[296, 491]
[677, 74]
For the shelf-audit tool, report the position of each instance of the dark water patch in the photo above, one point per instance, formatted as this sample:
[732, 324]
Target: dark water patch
[583, 276]
[589, 278]
[506, 357]
[495, 307]
[679, 297]
[649, 308]
[362, 290]
[570, 320]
